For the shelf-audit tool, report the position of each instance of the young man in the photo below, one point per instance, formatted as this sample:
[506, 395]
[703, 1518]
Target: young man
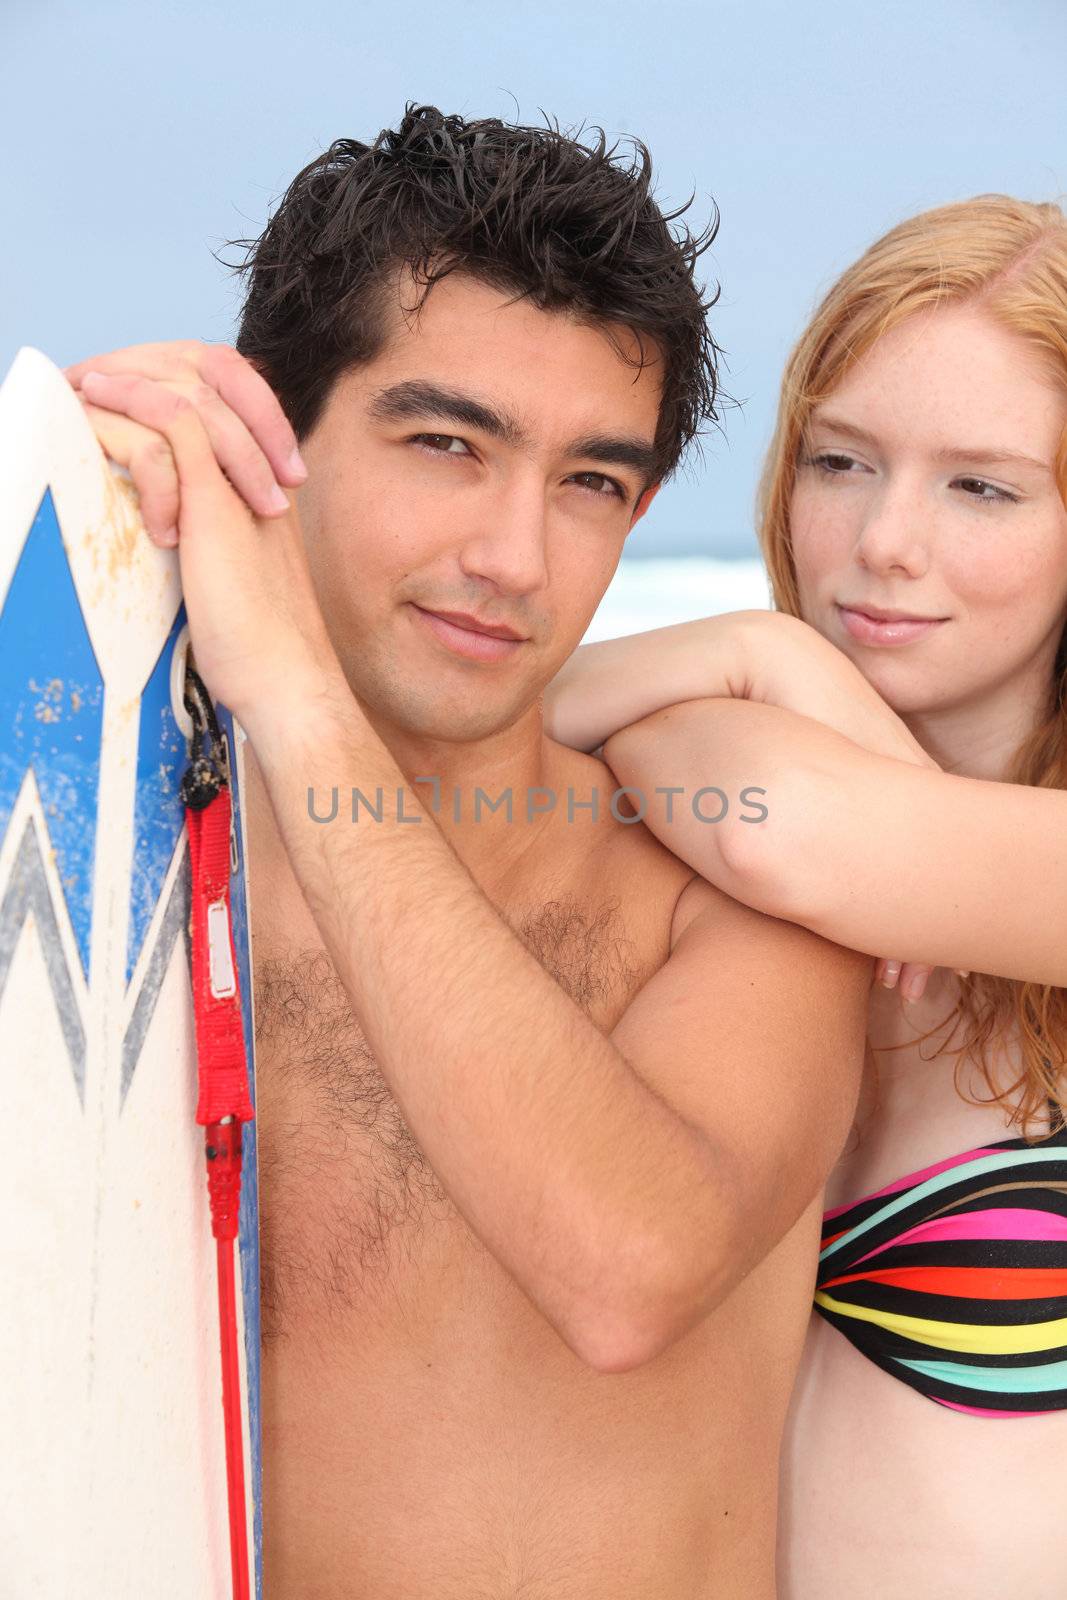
[544, 1117]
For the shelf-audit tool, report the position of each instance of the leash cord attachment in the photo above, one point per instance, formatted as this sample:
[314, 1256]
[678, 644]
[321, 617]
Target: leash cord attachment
[224, 1097]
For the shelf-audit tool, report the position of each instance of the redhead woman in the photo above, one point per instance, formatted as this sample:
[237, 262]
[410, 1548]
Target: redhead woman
[904, 713]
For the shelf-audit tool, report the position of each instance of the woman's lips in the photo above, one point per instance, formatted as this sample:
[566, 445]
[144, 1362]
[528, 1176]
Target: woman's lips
[868, 630]
[466, 641]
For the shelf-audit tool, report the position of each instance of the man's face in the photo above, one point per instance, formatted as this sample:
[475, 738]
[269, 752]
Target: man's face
[488, 463]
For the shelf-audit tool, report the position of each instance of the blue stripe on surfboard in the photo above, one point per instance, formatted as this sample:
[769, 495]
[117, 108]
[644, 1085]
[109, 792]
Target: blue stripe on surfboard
[51, 711]
[248, 1215]
[158, 816]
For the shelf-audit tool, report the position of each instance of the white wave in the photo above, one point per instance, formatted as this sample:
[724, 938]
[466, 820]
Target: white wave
[652, 594]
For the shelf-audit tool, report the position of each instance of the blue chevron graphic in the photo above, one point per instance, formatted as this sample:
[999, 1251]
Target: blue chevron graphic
[27, 895]
[51, 711]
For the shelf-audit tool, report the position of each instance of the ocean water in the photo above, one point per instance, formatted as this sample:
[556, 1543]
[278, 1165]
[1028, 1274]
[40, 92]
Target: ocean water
[652, 594]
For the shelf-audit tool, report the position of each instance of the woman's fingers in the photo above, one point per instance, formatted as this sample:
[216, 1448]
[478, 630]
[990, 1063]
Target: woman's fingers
[235, 449]
[231, 376]
[913, 980]
[911, 976]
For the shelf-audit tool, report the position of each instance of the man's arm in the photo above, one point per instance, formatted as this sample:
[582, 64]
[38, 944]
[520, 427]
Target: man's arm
[626, 1183]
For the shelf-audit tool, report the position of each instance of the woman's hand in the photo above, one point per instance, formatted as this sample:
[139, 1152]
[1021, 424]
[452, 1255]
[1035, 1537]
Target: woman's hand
[257, 629]
[248, 430]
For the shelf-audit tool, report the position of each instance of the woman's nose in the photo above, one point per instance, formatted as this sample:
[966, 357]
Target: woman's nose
[895, 533]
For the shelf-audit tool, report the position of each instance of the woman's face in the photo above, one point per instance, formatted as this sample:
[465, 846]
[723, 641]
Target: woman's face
[925, 489]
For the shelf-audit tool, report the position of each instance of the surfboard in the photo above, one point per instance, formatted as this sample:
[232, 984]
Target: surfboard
[112, 1458]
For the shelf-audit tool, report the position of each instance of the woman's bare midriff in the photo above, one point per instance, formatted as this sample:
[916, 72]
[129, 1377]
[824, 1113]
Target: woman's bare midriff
[877, 1479]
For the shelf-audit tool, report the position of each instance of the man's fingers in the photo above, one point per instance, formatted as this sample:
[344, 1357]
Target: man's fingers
[235, 449]
[252, 398]
[232, 376]
[148, 458]
[176, 422]
[176, 431]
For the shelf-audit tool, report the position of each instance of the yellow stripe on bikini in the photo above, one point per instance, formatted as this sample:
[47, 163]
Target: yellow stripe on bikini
[972, 1338]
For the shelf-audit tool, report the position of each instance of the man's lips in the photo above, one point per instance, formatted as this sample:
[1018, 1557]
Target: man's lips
[467, 636]
[463, 619]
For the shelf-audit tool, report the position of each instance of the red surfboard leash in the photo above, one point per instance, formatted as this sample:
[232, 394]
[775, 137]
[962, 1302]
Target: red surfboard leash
[224, 1097]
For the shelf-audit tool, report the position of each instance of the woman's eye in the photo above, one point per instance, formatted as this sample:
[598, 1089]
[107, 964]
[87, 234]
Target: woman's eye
[979, 489]
[834, 461]
[597, 483]
[444, 444]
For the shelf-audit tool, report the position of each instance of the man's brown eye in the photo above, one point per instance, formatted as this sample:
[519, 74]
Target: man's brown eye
[444, 443]
[597, 482]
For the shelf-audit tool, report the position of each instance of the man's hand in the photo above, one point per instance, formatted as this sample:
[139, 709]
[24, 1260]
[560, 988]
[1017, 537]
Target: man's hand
[248, 430]
[254, 619]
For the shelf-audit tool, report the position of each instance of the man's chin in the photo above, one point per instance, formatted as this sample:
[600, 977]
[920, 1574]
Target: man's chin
[436, 718]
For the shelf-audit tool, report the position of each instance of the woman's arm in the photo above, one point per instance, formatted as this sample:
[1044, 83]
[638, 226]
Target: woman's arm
[605, 686]
[765, 656]
[873, 853]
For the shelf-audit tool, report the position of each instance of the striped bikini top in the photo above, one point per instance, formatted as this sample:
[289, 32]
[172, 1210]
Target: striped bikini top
[954, 1279]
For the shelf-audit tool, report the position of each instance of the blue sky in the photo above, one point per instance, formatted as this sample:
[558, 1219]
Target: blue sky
[138, 138]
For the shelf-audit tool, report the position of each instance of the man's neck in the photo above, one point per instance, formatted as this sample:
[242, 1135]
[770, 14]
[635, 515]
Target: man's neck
[489, 797]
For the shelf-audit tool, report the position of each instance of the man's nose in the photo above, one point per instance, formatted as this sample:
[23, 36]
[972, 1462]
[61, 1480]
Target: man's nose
[509, 545]
[895, 531]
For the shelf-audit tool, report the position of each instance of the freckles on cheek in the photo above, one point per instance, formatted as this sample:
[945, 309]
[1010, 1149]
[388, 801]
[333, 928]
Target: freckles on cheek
[986, 581]
[819, 540]
[995, 575]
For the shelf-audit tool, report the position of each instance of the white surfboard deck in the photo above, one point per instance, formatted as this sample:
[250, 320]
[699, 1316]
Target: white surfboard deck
[112, 1454]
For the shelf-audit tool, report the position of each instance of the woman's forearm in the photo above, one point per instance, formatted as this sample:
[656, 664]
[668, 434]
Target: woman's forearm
[877, 854]
[765, 656]
[605, 686]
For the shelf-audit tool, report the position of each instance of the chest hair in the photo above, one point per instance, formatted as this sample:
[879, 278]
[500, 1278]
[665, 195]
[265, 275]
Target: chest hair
[346, 1191]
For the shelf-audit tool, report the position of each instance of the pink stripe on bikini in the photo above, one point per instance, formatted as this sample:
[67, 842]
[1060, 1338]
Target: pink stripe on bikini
[977, 1411]
[1003, 1223]
[913, 1177]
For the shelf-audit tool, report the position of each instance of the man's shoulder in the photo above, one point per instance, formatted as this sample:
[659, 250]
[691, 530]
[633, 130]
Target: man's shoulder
[703, 907]
[706, 914]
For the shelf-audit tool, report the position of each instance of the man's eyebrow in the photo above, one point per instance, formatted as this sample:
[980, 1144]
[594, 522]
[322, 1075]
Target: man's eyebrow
[609, 451]
[418, 398]
[979, 455]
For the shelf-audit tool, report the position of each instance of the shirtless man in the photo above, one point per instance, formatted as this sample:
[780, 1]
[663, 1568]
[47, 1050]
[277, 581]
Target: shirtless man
[544, 1118]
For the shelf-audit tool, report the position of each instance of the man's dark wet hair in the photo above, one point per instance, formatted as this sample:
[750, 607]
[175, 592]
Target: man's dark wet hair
[532, 211]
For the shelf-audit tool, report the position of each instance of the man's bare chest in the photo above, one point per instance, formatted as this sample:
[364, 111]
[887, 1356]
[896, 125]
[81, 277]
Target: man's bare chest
[352, 1214]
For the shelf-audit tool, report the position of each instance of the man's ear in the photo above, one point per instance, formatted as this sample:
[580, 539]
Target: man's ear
[643, 504]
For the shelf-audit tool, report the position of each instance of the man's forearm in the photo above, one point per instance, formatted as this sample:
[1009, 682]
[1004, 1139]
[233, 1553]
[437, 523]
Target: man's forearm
[560, 1158]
